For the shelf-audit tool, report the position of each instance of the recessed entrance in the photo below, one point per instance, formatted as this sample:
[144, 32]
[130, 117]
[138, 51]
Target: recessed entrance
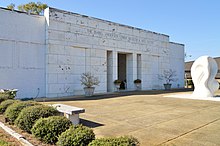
[122, 71]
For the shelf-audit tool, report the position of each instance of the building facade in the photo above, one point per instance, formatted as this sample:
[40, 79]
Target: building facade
[44, 56]
[189, 64]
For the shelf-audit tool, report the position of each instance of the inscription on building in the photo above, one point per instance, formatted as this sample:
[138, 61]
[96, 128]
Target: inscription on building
[116, 36]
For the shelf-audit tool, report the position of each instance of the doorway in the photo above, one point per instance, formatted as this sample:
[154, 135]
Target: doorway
[122, 70]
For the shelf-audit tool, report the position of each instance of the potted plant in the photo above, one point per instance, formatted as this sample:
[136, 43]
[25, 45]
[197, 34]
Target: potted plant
[89, 81]
[117, 84]
[190, 84]
[169, 76]
[137, 83]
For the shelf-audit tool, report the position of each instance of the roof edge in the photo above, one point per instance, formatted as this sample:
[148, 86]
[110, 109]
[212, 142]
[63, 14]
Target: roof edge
[177, 43]
[119, 24]
[17, 11]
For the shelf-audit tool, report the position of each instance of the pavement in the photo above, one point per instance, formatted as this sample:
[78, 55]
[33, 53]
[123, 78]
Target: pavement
[152, 118]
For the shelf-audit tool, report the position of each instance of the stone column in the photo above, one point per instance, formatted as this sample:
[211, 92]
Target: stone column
[131, 70]
[115, 65]
[112, 69]
[139, 68]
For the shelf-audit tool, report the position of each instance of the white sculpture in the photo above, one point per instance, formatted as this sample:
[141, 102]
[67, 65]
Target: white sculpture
[203, 72]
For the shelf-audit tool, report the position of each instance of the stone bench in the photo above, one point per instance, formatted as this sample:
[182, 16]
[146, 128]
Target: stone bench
[71, 112]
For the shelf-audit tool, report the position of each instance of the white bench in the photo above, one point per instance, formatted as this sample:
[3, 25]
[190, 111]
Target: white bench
[71, 112]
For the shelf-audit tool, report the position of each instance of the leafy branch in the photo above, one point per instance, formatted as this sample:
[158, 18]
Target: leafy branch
[88, 80]
[169, 76]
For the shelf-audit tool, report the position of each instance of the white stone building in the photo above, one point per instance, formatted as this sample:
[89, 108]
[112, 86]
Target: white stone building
[44, 56]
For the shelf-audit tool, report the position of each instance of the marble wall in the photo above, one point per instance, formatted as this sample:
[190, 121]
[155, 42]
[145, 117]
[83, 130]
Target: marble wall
[22, 53]
[79, 43]
[46, 55]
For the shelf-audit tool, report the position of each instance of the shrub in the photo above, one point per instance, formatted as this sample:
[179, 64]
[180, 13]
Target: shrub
[190, 83]
[76, 136]
[27, 99]
[5, 104]
[7, 94]
[121, 141]
[137, 81]
[49, 129]
[89, 80]
[14, 109]
[117, 81]
[29, 115]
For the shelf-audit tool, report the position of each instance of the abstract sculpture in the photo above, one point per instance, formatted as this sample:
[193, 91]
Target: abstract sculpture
[203, 72]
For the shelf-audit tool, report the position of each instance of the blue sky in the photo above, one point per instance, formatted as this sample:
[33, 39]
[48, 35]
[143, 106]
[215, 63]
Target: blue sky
[195, 23]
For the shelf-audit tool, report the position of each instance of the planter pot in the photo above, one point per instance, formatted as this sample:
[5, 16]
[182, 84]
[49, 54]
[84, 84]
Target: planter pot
[117, 86]
[89, 91]
[167, 86]
[138, 86]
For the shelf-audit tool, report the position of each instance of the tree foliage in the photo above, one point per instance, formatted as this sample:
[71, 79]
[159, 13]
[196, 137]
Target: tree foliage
[32, 7]
[11, 6]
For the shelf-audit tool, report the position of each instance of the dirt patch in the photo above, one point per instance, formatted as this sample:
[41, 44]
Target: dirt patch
[6, 139]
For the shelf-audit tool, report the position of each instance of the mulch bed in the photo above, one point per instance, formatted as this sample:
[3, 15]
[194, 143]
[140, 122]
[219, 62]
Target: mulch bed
[27, 136]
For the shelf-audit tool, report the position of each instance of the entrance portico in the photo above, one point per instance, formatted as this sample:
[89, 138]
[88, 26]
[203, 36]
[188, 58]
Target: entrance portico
[123, 66]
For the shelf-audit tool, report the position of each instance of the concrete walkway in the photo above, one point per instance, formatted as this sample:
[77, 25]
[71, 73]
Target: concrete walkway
[153, 119]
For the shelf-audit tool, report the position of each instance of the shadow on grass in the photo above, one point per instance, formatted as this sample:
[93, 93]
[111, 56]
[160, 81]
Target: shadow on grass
[90, 124]
[111, 95]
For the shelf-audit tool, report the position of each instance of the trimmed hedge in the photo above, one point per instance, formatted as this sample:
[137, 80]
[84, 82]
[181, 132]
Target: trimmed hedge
[14, 109]
[76, 136]
[120, 141]
[49, 129]
[29, 115]
[5, 104]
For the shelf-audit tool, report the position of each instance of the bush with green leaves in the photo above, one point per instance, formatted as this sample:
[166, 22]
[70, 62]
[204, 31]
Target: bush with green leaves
[14, 109]
[76, 136]
[49, 129]
[137, 81]
[5, 104]
[6, 94]
[120, 141]
[190, 83]
[29, 115]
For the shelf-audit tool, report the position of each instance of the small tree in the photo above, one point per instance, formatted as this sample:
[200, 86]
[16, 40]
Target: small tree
[88, 80]
[169, 76]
